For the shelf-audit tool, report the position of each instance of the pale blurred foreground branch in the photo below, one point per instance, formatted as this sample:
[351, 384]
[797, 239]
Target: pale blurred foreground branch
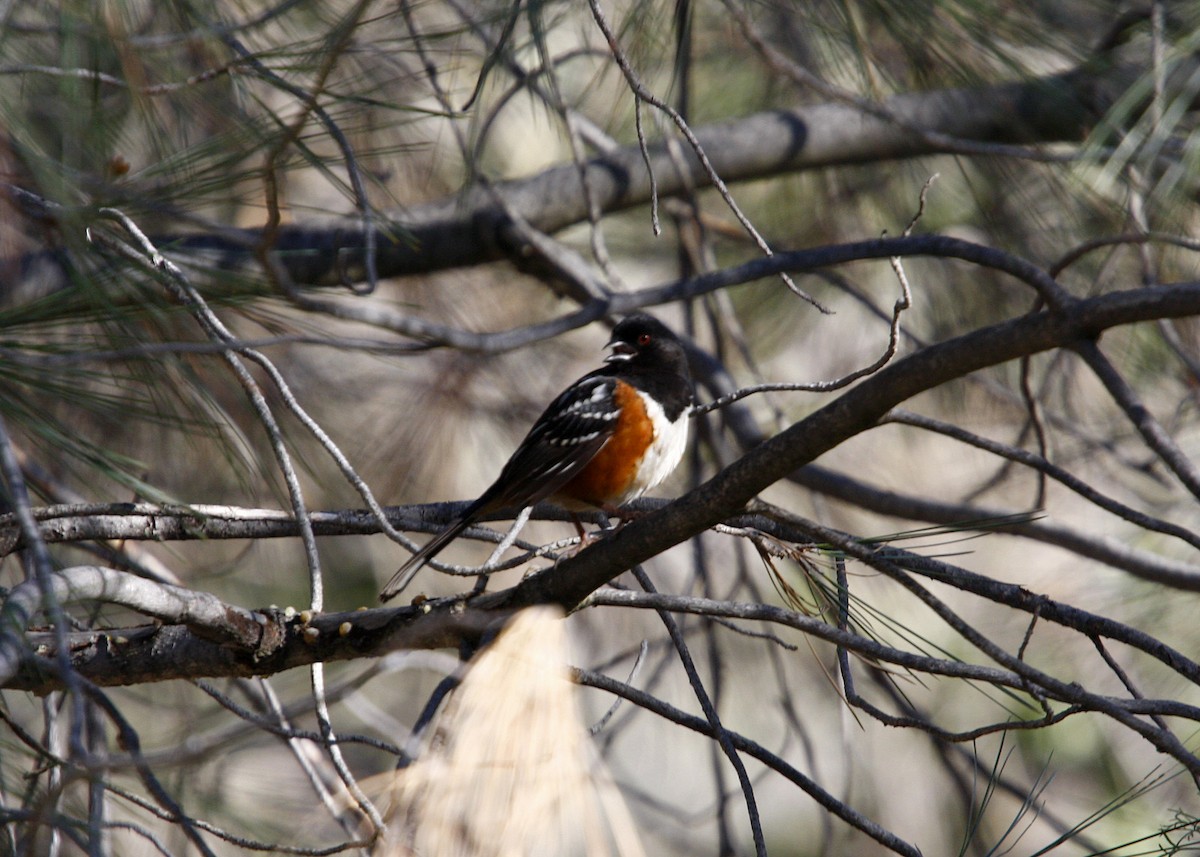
[511, 768]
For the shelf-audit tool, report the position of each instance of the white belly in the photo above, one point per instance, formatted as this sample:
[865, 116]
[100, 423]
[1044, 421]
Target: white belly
[670, 440]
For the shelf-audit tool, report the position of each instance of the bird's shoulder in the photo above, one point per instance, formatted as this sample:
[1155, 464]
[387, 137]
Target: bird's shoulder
[579, 414]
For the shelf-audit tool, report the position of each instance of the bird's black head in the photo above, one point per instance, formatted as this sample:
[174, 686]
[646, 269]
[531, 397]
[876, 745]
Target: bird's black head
[642, 341]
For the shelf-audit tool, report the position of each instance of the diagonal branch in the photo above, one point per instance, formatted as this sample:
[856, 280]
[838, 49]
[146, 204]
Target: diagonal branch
[853, 412]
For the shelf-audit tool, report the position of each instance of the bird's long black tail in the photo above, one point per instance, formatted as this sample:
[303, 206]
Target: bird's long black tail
[408, 571]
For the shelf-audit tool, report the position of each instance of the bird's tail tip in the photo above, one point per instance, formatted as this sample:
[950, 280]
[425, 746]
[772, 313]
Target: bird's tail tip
[400, 580]
[404, 575]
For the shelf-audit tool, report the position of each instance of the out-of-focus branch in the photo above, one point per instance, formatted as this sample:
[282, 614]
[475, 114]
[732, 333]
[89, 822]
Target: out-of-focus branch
[471, 228]
[596, 303]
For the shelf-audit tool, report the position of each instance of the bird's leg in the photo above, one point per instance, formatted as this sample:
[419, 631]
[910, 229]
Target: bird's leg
[585, 537]
[580, 531]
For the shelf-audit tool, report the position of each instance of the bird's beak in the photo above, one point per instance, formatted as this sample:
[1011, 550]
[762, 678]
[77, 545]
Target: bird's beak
[620, 351]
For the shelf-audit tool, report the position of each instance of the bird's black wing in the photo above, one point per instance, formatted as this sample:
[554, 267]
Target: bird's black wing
[564, 439]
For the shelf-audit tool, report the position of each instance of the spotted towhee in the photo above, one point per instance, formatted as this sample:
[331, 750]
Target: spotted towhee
[608, 438]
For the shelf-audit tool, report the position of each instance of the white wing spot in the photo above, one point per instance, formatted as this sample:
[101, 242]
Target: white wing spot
[573, 440]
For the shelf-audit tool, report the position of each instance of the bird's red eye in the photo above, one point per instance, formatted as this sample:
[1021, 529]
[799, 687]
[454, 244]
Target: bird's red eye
[644, 339]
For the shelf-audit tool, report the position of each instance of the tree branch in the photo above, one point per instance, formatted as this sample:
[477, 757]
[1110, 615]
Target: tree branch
[853, 412]
[163, 652]
[472, 228]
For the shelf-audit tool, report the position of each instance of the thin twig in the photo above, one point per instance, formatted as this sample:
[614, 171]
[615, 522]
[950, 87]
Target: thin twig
[1126, 398]
[710, 713]
[15, 616]
[902, 304]
[1045, 468]
[216, 329]
[701, 725]
[643, 94]
[300, 753]
[309, 99]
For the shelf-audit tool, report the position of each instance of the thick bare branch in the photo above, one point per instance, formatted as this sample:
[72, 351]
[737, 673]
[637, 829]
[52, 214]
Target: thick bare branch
[165, 652]
[207, 615]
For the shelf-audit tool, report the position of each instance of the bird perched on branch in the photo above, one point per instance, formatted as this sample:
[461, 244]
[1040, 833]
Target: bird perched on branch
[607, 439]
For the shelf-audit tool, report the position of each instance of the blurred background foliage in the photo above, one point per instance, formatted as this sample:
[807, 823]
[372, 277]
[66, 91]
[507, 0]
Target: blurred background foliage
[190, 117]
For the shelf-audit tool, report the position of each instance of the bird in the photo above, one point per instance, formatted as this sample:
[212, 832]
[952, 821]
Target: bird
[608, 438]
